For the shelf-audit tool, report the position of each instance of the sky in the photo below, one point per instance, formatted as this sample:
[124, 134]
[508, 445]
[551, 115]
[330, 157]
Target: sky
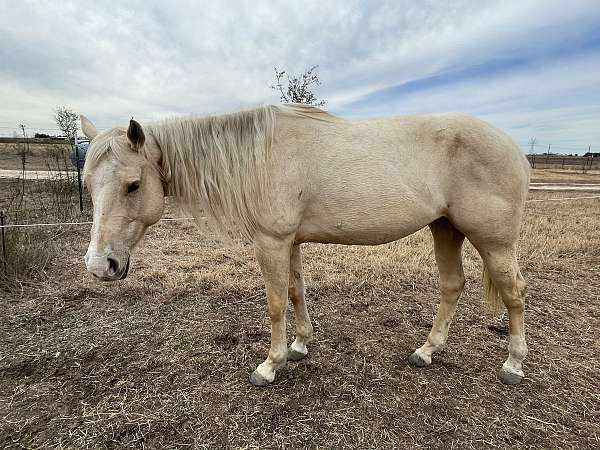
[532, 68]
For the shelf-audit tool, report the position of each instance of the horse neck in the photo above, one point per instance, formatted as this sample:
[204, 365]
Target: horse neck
[217, 165]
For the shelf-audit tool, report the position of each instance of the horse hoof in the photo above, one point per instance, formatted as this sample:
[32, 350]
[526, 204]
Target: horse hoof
[258, 380]
[417, 360]
[509, 378]
[294, 355]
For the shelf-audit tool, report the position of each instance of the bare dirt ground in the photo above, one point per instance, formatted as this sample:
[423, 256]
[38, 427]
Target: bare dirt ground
[161, 359]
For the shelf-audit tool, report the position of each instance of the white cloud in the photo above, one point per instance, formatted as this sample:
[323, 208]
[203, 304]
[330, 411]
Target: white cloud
[557, 103]
[112, 60]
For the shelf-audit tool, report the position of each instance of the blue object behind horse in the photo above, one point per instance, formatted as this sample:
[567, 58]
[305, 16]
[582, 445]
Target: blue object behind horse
[82, 148]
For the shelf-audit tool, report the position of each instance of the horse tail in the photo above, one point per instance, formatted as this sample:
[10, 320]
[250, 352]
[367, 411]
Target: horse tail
[493, 301]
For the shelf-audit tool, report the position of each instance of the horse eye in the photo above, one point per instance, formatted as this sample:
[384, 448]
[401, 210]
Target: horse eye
[132, 187]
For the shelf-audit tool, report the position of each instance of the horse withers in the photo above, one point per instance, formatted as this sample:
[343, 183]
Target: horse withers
[280, 176]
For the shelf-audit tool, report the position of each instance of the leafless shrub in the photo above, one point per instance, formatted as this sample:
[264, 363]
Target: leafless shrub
[298, 88]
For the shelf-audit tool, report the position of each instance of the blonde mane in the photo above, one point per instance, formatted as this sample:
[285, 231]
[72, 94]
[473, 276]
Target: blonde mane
[212, 165]
[217, 165]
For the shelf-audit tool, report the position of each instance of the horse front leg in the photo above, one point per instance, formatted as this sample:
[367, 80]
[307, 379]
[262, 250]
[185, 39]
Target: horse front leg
[273, 256]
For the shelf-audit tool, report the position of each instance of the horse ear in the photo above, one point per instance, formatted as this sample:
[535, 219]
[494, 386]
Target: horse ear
[135, 134]
[88, 128]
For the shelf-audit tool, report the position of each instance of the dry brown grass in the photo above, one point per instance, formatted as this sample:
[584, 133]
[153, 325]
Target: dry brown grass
[29, 251]
[161, 359]
[565, 176]
[36, 159]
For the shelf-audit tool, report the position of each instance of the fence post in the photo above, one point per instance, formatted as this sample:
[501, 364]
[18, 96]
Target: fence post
[78, 175]
[3, 243]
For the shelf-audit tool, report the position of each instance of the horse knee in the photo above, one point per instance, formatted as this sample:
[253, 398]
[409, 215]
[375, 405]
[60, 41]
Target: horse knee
[276, 311]
[521, 286]
[296, 287]
[452, 287]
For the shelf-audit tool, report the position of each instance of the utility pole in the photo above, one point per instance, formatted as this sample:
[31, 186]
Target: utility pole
[532, 142]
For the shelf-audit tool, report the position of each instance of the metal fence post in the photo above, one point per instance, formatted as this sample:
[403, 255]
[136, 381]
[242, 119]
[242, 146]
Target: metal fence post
[78, 175]
[3, 243]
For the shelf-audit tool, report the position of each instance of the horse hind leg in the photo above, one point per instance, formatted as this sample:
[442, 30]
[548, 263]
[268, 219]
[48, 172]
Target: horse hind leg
[448, 255]
[501, 264]
[304, 329]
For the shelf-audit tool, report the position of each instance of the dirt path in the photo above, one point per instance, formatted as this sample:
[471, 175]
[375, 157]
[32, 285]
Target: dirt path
[534, 186]
[564, 187]
[35, 174]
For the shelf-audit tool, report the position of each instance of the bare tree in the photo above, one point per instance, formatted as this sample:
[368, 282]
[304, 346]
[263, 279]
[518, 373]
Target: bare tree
[67, 121]
[298, 89]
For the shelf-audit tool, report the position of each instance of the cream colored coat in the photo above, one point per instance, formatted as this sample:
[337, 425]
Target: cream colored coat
[296, 174]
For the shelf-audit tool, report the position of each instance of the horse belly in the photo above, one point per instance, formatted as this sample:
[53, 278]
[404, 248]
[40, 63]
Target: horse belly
[373, 225]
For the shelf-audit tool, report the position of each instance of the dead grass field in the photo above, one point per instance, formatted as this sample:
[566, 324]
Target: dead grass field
[565, 176]
[38, 157]
[161, 359]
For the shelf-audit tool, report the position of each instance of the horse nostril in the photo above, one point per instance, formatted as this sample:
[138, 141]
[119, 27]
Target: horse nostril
[113, 265]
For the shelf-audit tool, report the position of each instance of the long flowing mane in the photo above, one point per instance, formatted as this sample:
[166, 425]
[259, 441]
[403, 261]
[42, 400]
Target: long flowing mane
[217, 165]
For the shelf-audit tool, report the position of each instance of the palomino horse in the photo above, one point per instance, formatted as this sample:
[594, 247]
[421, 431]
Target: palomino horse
[284, 175]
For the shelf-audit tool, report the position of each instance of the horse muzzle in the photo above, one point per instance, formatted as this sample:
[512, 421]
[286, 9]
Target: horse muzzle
[108, 267]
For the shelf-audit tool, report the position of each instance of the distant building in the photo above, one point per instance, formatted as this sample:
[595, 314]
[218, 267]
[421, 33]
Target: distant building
[592, 154]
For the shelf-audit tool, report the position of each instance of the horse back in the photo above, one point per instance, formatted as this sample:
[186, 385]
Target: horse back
[374, 181]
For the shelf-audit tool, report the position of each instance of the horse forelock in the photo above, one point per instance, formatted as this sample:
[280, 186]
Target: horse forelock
[109, 141]
[114, 142]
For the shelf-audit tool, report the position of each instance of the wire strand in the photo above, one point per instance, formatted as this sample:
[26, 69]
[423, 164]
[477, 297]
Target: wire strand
[56, 224]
